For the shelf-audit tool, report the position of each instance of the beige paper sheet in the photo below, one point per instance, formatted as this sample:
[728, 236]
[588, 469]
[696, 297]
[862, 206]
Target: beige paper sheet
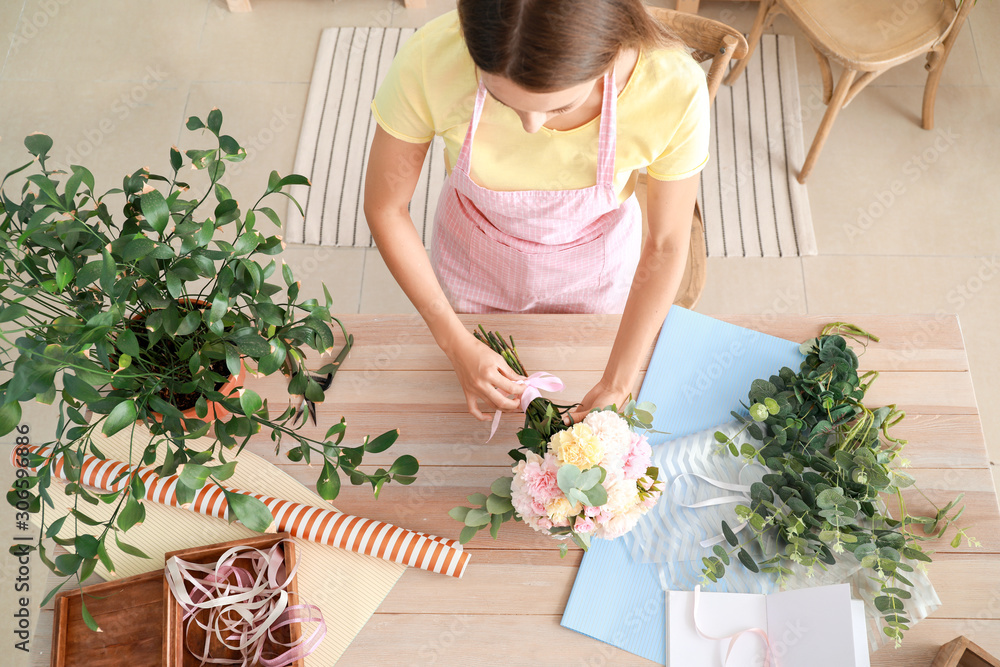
[348, 587]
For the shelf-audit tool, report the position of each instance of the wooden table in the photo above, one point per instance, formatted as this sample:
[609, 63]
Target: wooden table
[507, 608]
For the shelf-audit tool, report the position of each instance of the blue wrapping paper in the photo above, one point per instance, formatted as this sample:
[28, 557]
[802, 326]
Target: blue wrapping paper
[700, 370]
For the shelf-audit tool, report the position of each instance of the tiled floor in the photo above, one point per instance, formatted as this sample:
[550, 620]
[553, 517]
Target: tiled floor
[112, 82]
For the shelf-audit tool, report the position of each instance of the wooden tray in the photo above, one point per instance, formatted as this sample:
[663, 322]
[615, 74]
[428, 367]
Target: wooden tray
[174, 653]
[961, 652]
[130, 614]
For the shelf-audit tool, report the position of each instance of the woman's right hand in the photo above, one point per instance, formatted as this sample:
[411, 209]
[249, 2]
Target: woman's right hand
[484, 375]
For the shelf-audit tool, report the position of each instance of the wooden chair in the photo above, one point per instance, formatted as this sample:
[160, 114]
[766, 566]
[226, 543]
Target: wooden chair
[866, 37]
[710, 40]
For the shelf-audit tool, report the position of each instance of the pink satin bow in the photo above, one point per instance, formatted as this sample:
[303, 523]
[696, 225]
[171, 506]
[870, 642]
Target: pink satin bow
[532, 384]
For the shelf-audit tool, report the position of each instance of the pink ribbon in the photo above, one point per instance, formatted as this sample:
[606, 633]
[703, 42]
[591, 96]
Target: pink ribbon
[734, 637]
[532, 384]
[245, 606]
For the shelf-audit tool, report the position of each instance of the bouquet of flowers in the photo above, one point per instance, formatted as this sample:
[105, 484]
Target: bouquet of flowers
[580, 480]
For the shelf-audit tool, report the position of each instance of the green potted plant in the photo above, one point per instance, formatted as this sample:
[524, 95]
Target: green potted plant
[151, 313]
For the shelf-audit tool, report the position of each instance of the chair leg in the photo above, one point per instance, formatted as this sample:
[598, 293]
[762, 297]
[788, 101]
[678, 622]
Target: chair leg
[824, 69]
[935, 66]
[836, 104]
[763, 19]
[695, 270]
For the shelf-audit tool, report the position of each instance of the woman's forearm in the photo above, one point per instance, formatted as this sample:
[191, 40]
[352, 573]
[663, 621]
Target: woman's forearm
[403, 252]
[654, 287]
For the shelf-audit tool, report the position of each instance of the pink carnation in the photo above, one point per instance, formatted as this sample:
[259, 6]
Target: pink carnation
[544, 523]
[584, 525]
[591, 511]
[638, 458]
[540, 479]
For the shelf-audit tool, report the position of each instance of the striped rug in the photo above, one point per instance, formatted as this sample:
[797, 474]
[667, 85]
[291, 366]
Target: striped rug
[752, 204]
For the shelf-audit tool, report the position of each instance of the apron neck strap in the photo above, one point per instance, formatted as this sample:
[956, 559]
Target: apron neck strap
[606, 146]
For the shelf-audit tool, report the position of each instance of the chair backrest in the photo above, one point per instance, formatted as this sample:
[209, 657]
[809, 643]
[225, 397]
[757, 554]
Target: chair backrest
[709, 39]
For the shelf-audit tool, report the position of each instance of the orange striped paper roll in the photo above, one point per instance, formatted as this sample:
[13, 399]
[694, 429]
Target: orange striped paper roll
[324, 526]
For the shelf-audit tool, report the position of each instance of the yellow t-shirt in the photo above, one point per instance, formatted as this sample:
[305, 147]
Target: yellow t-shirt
[663, 118]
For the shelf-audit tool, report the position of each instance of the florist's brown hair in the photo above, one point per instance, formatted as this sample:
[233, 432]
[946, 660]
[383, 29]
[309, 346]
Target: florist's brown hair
[545, 45]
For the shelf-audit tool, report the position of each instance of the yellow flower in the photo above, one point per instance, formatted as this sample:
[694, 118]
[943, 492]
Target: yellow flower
[577, 446]
[559, 509]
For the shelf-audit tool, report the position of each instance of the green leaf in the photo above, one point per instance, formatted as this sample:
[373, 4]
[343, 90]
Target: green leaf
[467, 534]
[37, 143]
[193, 475]
[596, 495]
[382, 442]
[194, 123]
[250, 401]
[498, 505]
[214, 121]
[87, 618]
[568, 477]
[251, 512]
[748, 561]
[121, 416]
[729, 534]
[328, 484]
[155, 210]
[176, 161]
[129, 549]
[132, 514]
[459, 513]
[575, 495]
[137, 249]
[477, 518]
[10, 417]
[13, 312]
[758, 412]
[588, 478]
[495, 522]
[501, 487]
[64, 273]
[109, 272]
[405, 465]
[476, 498]
[721, 553]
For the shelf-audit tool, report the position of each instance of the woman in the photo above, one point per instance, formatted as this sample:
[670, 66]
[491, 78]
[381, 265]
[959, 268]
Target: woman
[546, 107]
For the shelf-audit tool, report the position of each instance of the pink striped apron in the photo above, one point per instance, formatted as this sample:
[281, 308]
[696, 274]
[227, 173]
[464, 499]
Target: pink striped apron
[537, 251]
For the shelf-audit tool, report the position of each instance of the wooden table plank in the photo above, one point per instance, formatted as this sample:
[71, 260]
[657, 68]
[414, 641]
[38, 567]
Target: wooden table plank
[438, 392]
[581, 342]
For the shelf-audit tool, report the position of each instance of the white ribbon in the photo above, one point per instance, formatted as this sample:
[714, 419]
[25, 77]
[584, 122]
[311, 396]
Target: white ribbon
[744, 497]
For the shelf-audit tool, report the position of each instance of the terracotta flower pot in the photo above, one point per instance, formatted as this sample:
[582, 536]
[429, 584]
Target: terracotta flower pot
[215, 410]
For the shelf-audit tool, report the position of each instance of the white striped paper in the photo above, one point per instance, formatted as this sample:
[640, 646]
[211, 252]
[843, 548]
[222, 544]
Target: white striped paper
[751, 202]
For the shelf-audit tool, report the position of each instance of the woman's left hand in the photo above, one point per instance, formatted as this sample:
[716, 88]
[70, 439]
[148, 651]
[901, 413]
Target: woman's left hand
[601, 396]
